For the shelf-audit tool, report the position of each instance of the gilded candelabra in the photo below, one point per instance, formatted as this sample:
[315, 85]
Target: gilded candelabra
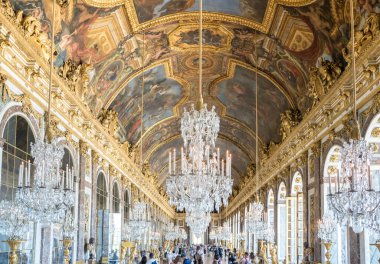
[66, 249]
[328, 246]
[14, 244]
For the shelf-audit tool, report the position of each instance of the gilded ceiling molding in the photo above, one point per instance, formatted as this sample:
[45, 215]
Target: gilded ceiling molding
[264, 26]
[232, 63]
[104, 3]
[313, 127]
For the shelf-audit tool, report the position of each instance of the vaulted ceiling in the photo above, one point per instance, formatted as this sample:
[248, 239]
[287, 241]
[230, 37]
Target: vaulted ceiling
[281, 39]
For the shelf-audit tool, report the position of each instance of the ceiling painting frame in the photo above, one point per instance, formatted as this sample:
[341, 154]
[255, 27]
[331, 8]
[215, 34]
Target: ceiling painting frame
[263, 26]
[191, 26]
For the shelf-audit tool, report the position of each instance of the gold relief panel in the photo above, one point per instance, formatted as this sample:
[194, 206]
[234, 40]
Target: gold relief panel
[185, 37]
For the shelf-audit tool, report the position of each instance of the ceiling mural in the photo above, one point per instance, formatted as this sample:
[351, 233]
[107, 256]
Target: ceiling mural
[116, 38]
[130, 52]
[151, 9]
[238, 95]
[161, 95]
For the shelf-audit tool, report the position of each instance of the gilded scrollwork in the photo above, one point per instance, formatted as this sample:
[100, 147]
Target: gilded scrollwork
[321, 79]
[289, 120]
[4, 41]
[109, 119]
[369, 32]
[5, 92]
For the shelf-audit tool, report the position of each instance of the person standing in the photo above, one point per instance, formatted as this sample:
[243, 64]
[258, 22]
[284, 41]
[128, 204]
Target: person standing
[151, 259]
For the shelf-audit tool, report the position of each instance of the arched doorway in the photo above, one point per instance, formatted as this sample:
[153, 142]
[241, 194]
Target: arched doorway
[101, 217]
[294, 221]
[370, 253]
[18, 136]
[270, 206]
[331, 168]
[115, 222]
[281, 222]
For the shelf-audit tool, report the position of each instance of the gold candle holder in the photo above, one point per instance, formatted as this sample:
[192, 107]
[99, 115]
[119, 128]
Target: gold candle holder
[377, 245]
[328, 246]
[66, 251]
[14, 245]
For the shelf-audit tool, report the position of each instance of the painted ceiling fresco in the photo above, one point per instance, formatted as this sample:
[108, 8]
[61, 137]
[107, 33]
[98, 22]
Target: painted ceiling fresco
[238, 93]
[282, 38]
[161, 95]
[151, 9]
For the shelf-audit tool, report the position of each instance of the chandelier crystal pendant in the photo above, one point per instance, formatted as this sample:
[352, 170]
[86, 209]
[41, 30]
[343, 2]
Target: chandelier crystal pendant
[326, 227]
[353, 200]
[198, 222]
[14, 220]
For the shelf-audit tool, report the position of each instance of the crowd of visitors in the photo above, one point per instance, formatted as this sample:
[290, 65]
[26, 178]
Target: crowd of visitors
[195, 254]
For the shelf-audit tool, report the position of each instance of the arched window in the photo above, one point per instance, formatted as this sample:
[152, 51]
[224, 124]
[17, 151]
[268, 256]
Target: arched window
[126, 207]
[270, 208]
[115, 199]
[101, 192]
[281, 222]
[371, 253]
[101, 206]
[18, 136]
[294, 221]
[331, 168]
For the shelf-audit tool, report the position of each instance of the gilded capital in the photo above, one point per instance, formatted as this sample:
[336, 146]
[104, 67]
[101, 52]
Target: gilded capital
[83, 148]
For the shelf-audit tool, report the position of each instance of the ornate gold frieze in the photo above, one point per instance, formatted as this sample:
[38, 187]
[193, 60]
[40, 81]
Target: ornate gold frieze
[321, 80]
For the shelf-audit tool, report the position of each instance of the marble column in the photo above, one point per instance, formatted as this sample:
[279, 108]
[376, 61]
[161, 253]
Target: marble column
[81, 201]
[315, 206]
[94, 176]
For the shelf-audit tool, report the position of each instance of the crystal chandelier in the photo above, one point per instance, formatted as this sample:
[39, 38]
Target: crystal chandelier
[268, 233]
[241, 236]
[326, 228]
[173, 232]
[353, 201]
[198, 222]
[69, 227]
[225, 232]
[203, 180]
[138, 224]
[50, 192]
[254, 218]
[14, 220]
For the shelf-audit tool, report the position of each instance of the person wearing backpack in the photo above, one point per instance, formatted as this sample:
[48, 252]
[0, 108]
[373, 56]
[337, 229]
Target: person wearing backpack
[152, 260]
